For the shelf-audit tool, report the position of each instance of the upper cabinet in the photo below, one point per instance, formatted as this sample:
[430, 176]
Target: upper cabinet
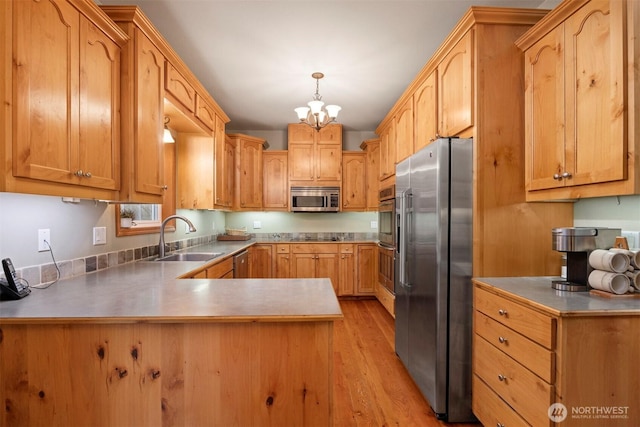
[315, 157]
[62, 133]
[580, 104]
[225, 163]
[372, 149]
[473, 87]
[275, 184]
[354, 181]
[455, 88]
[248, 172]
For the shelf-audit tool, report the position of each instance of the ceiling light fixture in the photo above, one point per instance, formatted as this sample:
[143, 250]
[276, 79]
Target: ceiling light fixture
[314, 115]
[167, 138]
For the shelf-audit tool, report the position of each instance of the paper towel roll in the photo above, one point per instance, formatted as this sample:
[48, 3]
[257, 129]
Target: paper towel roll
[607, 260]
[610, 282]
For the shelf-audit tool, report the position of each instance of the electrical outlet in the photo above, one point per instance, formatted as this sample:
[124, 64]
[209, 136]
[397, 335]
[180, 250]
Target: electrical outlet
[99, 236]
[44, 234]
[374, 224]
[257, 224]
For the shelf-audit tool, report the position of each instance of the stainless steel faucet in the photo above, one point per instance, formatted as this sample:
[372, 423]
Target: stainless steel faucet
[167, 219]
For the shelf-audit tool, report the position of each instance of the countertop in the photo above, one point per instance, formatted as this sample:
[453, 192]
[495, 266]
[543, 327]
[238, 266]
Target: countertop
[537, 292]
[149, 291]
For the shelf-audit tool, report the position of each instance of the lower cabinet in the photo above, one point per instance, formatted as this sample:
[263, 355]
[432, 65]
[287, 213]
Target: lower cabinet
[311, 260]
[525, 359]
[347, 283]
[283, 261]
[261, 261]
[218, 269]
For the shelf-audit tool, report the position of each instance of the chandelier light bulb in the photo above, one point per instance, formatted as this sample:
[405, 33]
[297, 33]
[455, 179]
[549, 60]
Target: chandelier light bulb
[315, 115]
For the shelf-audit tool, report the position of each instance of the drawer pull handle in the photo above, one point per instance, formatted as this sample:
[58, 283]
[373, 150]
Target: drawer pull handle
[499, 425]
[502, 312]
[502, 377]
[502, 340]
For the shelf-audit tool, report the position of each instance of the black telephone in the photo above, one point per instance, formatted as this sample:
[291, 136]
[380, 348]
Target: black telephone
[13, 288]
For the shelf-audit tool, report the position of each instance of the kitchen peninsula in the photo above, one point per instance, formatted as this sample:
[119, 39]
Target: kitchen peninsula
[133, 345]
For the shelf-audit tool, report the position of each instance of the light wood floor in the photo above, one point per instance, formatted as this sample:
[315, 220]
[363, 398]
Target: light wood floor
[371, 386]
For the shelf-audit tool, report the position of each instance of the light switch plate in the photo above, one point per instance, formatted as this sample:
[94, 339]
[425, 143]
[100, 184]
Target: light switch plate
[374, 224]
[99, 236]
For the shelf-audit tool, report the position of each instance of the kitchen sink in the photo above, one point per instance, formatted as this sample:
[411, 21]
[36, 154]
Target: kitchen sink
[190, 256]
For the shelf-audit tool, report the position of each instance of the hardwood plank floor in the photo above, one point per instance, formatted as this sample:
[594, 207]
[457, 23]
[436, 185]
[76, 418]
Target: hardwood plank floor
[371, 386]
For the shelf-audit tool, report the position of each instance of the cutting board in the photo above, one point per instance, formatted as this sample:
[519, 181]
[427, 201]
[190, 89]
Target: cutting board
[606, 294]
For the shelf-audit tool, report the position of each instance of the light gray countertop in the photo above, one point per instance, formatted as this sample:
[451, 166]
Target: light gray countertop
[537, 291]
[148, 291]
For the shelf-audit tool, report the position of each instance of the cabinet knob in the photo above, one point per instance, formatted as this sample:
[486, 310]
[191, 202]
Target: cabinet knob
[566, 175]
[165, 187]
[502, 312]
[499, 425]
[557, 176]
[502, 340]
[79, 173]
[502, 377]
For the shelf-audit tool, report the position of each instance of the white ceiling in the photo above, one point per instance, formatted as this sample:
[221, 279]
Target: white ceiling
[256, 57]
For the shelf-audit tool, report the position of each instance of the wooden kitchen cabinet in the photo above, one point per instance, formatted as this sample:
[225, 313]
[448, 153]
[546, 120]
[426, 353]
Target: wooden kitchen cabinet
[367, 268]
[387, 150]
[63, 127]
[262, 261]
[477, 78]
[225, 160]
[455, 88]
[194, 170]
[577, 116]
[372, 149]
[314, 260]
[404, 130]
[354, 181]
[426, 112]
[283, 261]
[248, 172]
[275, 183]
[527, 356]
[315, 157]
[178, 89]
[347, 270]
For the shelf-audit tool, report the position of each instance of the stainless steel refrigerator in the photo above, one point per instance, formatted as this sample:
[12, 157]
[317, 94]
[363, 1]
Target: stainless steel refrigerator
[434, 200]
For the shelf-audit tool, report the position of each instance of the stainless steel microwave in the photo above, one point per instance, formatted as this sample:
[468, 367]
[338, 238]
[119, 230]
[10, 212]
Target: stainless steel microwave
[315, 199]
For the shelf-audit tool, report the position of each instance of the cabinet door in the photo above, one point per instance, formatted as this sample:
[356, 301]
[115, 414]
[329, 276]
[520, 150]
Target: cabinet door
[426, 112]
[596, 145]
[346, 284]
[328, 165]
[327, 266]
[372, 171]
[249, 174]
[404, 131]
[46, 85]
[99, 149]
[387, 151]
[261, 265]
[275, 182]
[303, 265]
[283, 266]
[301, 161]
[194, 157]
[181, 90]
[367, 269]
[224, 161]
[455, 88]
[354, 197]
[149, 88]
[544, 110]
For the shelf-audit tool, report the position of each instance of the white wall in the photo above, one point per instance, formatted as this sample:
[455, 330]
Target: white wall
[616, 212]
[286, 222]
[71, 226]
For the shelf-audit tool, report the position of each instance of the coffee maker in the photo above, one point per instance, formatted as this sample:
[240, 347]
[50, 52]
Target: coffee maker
[578, 242]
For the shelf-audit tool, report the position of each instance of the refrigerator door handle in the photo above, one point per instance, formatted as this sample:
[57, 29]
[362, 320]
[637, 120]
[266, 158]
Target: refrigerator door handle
[403, 236]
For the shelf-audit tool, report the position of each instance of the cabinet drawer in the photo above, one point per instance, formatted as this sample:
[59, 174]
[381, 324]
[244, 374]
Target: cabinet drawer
[346, 249]
[533, 356]
[490, 409]
[315, 248]
[219, 270]
[525, 392]
[282, 249]
[178, 86]
[530, 323]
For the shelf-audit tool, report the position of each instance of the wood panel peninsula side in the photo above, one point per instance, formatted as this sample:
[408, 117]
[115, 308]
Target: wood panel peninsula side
[133, 346]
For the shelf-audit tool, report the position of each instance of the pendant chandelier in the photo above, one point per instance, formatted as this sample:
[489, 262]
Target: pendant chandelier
[314, 115]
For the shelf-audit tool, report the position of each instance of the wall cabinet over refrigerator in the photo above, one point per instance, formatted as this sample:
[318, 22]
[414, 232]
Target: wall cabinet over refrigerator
[61, 80]
[581, 94]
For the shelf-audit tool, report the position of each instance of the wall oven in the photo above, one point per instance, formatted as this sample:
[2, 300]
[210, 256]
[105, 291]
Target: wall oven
[386, 237]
